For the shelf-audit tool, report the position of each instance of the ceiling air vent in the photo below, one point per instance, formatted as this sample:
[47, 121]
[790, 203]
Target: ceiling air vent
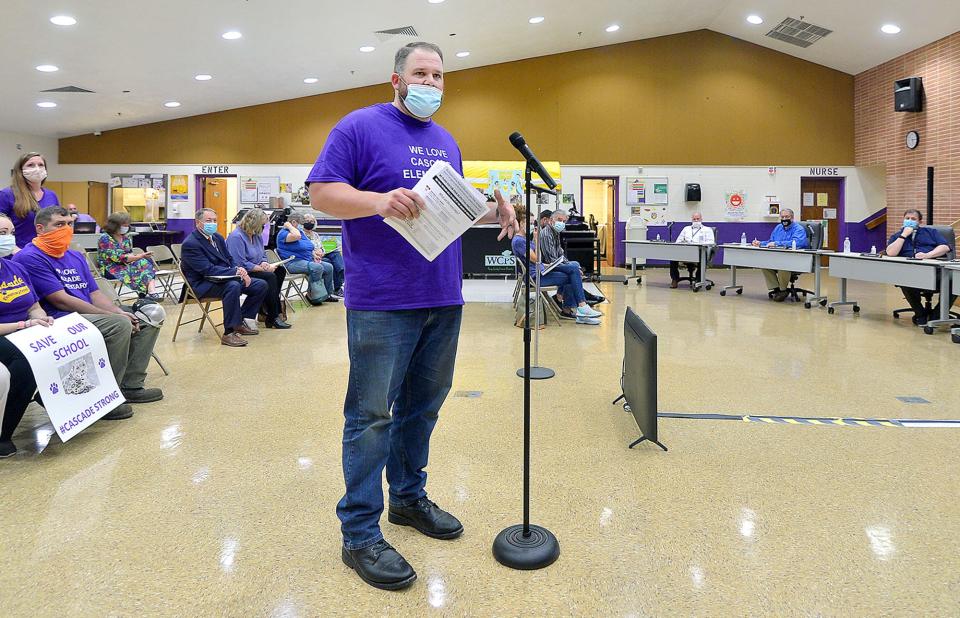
[68, 89]
[386, 35]
[798, 32]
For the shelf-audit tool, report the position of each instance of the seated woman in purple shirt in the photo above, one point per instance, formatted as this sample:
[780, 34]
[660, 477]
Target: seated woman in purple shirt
[116, 258]
[19, 309]
[26, 195]
[245, 244]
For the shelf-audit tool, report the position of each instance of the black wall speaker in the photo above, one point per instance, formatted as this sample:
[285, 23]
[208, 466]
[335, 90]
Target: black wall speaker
[693, 192]
[908, 95]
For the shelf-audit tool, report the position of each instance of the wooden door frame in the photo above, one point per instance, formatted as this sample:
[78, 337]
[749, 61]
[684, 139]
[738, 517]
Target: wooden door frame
[841, 220]
[198, 191]
[614, 229]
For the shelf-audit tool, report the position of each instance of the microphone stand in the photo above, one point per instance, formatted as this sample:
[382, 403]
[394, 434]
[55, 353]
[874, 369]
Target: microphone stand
[536, 371]
[525, 546]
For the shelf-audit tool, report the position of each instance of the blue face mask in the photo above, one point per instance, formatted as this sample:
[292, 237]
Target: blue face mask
[911, 223]
[209, 229]
[422, 101]
[559, 225]
[7, 244]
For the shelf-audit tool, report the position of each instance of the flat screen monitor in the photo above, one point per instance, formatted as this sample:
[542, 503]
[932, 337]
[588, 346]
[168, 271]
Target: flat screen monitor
[85, 227]
[640, 375]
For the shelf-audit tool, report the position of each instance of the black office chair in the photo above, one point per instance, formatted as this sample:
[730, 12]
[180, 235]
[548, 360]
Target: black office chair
[814, 230]
[690, 266]
[951, 237]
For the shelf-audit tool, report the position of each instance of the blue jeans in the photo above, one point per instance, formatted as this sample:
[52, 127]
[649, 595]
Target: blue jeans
[568, 279]
[319, 275]
[335, 259]
[401, 369]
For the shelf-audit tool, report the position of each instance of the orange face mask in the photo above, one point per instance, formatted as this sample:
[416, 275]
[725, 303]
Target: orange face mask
[55, 243]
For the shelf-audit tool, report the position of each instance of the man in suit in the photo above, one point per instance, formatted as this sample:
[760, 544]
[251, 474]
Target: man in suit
[205, 254]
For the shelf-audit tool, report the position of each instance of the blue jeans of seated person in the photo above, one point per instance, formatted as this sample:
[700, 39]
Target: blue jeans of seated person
[335, 259]
[569, 281]
[401, 369]
[319, 275]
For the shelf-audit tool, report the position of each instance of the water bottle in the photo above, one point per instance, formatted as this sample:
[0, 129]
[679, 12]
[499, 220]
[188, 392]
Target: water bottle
[873, 249]
[743, 239]
[846, 245]
[793, 244]
[658, 237]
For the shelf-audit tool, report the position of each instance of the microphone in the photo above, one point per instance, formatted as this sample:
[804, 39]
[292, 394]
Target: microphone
[521, 144]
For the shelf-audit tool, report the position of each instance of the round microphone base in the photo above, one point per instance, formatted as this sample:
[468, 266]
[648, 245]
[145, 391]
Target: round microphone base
[537, 373]
[537, 550]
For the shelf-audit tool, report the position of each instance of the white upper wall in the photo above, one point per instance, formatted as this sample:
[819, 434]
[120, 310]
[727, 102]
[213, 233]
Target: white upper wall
[865, 192]
[12, 145]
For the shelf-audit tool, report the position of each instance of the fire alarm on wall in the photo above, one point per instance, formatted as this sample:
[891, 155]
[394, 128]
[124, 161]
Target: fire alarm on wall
[913, 140]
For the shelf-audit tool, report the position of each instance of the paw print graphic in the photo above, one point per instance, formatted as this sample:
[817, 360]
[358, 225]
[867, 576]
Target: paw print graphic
[102, 363]
[54, 388]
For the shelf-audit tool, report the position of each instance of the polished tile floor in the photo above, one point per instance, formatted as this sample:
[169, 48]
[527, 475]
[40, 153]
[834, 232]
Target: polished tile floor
[219, 500]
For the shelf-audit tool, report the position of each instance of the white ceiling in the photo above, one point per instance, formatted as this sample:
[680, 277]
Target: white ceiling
[154, 49]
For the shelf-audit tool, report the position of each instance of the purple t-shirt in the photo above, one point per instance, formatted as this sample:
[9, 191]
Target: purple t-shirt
[16, 292]
[71, 273]
[23, 229]
[379, 148]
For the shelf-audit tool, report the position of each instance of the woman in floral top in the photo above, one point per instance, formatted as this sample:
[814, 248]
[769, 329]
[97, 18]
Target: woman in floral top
[117, 260]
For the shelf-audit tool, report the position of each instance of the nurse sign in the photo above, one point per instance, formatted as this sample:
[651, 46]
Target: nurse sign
[73, 374]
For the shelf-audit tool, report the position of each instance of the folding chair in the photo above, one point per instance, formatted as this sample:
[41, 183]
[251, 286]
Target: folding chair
[104, 285]
[175, 250]
[99, 274]
[165, 276]
[545, 297]
[191, 297]
[294, 281]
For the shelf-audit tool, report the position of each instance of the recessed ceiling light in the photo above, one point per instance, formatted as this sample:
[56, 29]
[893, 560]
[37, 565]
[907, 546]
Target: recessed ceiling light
[48, 68]
[203, 77]
[756, 20]
[535, 20]
[63, 20]
[367, 49]
[463, 54]
[310, 80]
[46, 104]
[613, 27]
[172, 104]
[434, 1]
[890, 29]
[232, 35]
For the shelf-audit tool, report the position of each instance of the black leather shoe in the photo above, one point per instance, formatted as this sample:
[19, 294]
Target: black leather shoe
[278, 323]
[380, 565]
[426, 517]
[124, 410]
[142, 395]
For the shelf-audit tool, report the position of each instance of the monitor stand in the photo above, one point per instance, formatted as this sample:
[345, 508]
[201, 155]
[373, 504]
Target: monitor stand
[642, 438]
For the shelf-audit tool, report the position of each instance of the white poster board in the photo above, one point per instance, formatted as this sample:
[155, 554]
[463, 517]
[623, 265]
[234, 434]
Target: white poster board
[258, 189]
[70, 364]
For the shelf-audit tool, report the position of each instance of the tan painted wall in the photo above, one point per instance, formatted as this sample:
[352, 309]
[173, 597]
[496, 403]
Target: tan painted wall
[698, 98]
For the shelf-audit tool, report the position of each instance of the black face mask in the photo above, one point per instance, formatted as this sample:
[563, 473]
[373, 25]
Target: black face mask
[308, 226]
[786, 222]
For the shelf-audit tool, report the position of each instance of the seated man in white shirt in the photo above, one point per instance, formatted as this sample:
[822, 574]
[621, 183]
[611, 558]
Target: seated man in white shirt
[695, 233]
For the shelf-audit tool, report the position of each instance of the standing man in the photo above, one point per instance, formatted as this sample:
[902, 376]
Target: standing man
[403, 311]
[783, 236]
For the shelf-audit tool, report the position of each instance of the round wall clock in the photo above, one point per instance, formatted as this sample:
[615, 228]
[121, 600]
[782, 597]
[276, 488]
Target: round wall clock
[913, 140]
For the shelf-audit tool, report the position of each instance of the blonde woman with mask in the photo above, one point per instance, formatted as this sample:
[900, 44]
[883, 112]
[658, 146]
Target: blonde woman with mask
[26, 195]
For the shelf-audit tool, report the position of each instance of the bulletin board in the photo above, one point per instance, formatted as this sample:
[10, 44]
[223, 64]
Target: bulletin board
[647, 191]
[258, 189]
